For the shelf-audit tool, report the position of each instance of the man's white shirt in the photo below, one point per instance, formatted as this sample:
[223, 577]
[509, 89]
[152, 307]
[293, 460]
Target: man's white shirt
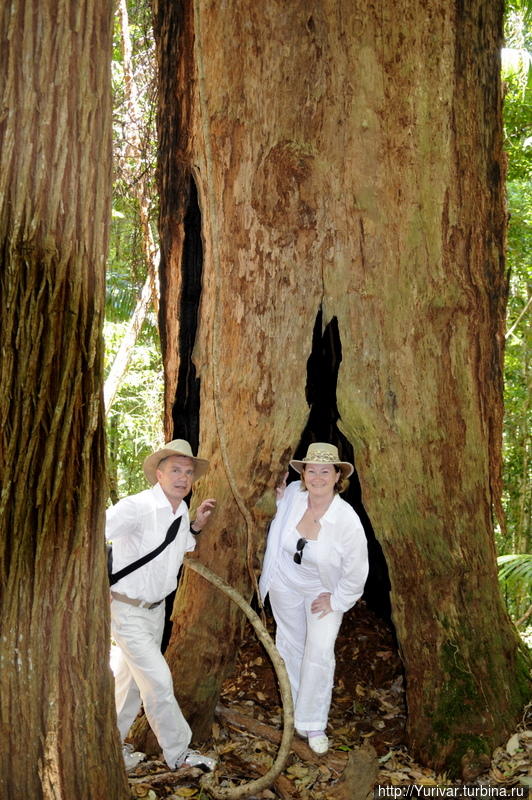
[135, 526]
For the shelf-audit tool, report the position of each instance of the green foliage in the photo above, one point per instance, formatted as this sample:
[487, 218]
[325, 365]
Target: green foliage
[517, 78]
[517, 477]
[134, 134]
[517, 422]
[516, 569]
[134, 151]
[134, 424]
[515, 577]
[134, 155]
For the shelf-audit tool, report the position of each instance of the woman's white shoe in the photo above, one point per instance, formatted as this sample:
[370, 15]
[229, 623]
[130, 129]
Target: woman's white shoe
[319, 744]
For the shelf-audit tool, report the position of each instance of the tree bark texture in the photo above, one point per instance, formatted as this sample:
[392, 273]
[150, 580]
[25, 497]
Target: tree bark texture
[57, 721]
[348, 158]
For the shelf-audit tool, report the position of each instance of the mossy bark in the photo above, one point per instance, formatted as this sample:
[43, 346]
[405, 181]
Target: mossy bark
[57, 719]
[348, 157]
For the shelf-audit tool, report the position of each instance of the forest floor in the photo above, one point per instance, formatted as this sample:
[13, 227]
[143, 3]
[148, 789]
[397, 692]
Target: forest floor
[366, 730]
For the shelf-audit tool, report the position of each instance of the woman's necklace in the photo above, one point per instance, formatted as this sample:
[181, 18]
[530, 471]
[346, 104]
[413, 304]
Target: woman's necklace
[317, 515]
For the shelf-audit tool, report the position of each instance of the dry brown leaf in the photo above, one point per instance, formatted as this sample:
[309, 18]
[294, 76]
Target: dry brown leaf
[389, 706]
[143, 790]
[521, 761]
[497, 774]
[396, 776]
[423, 774]
[513, 744]
[228, 747]
[343, 730]
[140, 790]
[298, 771]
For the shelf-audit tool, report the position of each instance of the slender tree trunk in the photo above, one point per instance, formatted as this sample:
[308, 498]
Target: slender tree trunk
[57, 719]
[348, 160]
[123, 355]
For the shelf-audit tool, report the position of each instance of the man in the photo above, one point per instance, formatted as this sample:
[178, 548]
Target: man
[136, 526]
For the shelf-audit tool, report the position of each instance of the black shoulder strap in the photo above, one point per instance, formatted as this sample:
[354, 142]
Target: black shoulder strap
[171, 533]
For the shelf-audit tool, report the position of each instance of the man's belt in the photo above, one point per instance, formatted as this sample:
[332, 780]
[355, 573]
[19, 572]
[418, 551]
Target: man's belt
[123, 598]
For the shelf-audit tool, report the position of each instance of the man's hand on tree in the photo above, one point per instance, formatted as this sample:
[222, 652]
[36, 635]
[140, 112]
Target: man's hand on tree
[203, 513]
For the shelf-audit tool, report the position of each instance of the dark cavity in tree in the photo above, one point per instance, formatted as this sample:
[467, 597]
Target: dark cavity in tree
[186, 408]
[322, 426]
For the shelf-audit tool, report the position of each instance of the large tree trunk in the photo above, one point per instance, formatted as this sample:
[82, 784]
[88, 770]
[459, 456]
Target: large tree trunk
[57, 721]
[347, 159]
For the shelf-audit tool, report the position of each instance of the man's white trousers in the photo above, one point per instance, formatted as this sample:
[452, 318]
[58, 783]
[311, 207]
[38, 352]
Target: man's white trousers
[306, 644]
[143, 676]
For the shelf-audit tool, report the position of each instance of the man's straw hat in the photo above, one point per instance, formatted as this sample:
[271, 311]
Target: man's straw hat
[178, 447]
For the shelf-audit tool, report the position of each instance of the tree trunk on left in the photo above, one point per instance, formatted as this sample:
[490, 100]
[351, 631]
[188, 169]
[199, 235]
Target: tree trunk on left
[57, 724]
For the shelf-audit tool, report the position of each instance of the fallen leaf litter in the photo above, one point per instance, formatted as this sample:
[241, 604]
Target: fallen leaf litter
[367, 719]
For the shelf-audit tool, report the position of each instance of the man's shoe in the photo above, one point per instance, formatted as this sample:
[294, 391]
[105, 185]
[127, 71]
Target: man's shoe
[131, 757]
[193, 758]
[318, 743]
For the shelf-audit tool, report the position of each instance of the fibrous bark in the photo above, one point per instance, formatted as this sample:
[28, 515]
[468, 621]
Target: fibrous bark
[57, 721]
[348, 157]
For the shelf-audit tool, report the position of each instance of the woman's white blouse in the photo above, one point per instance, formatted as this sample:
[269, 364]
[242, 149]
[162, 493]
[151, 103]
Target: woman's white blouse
[303, 578]
[342, 551]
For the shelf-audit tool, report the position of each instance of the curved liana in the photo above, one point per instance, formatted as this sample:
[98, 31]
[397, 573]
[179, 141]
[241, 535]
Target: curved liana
[208, 782]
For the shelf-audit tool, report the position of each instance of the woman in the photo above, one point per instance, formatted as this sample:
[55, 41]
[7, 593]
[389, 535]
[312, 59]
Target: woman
[315, 567]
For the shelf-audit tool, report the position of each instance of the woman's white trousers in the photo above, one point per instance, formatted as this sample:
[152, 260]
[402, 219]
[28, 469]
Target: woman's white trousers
[306, 644]
[143, 676]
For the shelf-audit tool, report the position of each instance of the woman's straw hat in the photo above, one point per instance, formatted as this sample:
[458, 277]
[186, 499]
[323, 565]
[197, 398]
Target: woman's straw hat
[323, 453]
[178, 447]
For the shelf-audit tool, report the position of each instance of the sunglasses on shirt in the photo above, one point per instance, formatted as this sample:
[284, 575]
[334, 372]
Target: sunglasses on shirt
[298, 555]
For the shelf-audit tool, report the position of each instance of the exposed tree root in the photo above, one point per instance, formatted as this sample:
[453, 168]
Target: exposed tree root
[335, 761]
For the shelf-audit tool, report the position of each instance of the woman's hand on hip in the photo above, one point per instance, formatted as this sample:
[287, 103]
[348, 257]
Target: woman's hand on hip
[321, 603]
